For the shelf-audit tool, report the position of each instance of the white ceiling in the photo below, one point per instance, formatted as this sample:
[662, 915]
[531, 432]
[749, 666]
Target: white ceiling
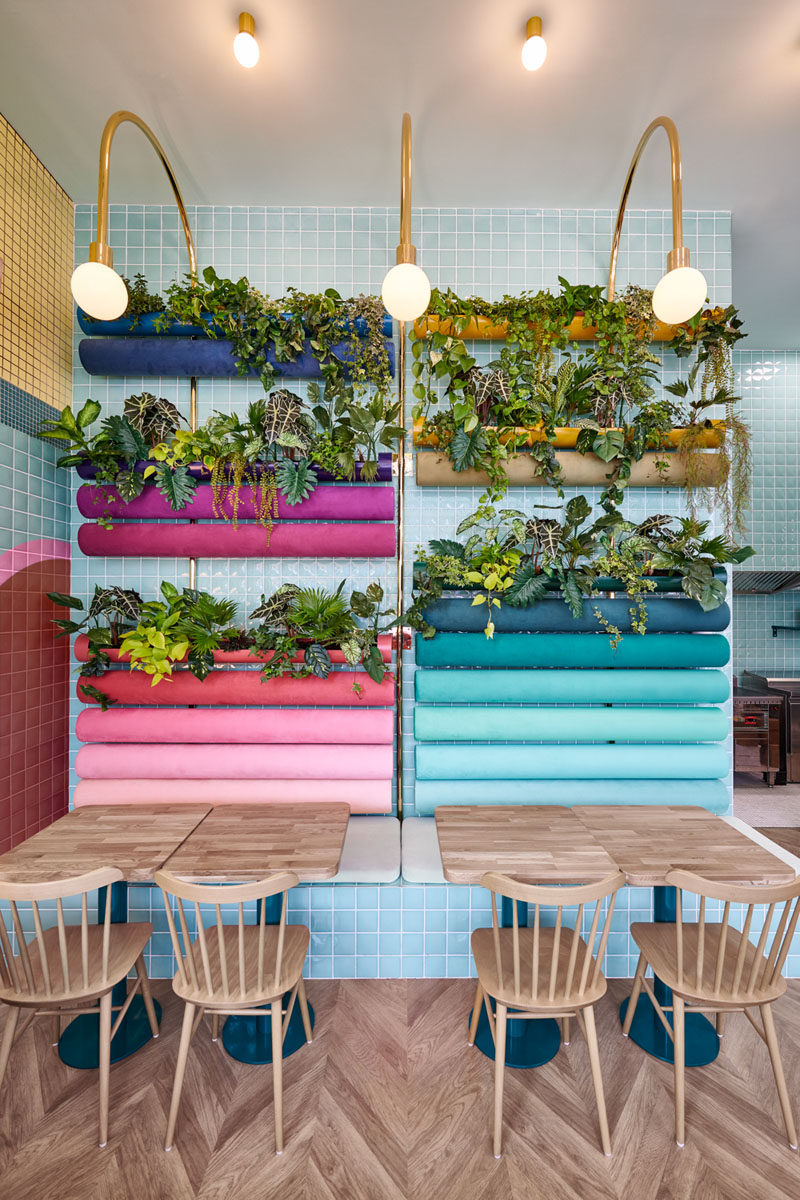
[318, 120]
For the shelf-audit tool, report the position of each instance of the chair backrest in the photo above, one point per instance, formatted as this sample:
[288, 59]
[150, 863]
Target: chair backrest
[60, 966]
[230, 967]
[558, 980]
[734, 969]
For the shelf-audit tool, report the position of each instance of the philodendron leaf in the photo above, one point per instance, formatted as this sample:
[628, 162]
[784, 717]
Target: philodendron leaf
[129, 484]
[361, 605]
[65, 601]
[296, 480]
[528, 587]
[466, 449]
[374, 664]
[317, 658]
[609, 445]
[572, 594]
[176, 485]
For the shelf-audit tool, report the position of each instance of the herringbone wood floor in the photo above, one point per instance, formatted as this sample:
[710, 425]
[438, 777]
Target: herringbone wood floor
[388, 1103]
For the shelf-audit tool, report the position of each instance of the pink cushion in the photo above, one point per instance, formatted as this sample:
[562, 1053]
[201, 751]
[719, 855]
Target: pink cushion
[257, 725]
[363, 795]
[242, 687]
[248, 541]
[182, 761]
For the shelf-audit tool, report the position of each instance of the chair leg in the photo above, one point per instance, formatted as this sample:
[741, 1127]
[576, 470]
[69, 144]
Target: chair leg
[180, 1070]
[55, 1029]
[679, 1051]
[641, 967]
[565, 1030]
[304, 1013]
[597, 1078]
[720, 1022]
[476, 1013]
[215, 1027]
[12, 1020]
[499, 1073]
[777, 1071]
[104, 1062]
[277, 1072]
[141, 971]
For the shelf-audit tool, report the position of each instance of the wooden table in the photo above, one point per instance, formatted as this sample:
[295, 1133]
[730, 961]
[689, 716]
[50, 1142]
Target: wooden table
[544, 844]
[647, 842]
[137, 839]
[241, 842]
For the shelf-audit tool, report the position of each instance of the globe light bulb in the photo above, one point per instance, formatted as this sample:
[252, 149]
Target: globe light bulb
[245, 46]
[679, 295]
[406, 292]
[99, 291]
[534, 52]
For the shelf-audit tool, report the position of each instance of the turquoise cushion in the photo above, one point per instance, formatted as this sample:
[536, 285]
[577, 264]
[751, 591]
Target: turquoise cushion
[664, 614]
[571, 687]
[708, 793]
[478, 723]
[572, 762]
[572, 650]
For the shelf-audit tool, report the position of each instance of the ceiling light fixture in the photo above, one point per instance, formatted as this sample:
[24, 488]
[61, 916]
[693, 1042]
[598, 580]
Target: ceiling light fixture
[534, 51]
[245, 46]
[96, 286]
[681, 292]
[406, 291]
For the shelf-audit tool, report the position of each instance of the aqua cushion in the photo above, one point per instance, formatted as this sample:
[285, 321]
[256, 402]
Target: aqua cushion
[429, 794]
[572, 762]
[489, 686]
[480, 723]
[572, 650]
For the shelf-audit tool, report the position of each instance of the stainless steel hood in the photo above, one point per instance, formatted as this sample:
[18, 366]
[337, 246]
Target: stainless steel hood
[765, 583]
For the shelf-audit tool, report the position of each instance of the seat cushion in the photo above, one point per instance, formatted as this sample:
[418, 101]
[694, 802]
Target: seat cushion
[371, 852]
[422, 862]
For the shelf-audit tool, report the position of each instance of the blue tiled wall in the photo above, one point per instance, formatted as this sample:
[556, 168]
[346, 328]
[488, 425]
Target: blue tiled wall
[393, 929]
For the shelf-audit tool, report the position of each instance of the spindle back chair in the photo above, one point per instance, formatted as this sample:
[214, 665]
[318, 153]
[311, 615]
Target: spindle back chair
[541, 971]
[68, 969]
[716, 968]
[234, 969]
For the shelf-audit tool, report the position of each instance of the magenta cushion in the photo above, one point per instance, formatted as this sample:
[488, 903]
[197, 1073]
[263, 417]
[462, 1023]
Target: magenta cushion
[248, 541]
[241, 687]
[331, 502]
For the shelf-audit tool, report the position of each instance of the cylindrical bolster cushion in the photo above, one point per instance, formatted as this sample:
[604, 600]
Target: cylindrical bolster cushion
[363, 795]
[241, 687]
[326, 502]
[154, 323]
[571, 687]
[572, 650]
[665, 614]
[459, 723]
[88, 470]
[192, 761]
[248, 541]
[234, 656]
[572, 762]
[240, 725]
[429, 794]
[205, 358]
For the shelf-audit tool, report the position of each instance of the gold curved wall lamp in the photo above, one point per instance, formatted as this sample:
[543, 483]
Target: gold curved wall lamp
[96, 286]
[406, 293]
[681, 292]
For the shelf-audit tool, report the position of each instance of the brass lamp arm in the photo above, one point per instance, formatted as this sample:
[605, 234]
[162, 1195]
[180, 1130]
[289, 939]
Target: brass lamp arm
[406, 252]
[100, 251]
[679, 255]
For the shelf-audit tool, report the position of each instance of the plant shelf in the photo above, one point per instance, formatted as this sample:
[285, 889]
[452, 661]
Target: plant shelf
[566, 436]
[483, 329]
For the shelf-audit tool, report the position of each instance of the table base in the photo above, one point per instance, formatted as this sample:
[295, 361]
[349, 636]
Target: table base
[79, 1044]
[529, 1043]
[249, 1039]
[701, 1041]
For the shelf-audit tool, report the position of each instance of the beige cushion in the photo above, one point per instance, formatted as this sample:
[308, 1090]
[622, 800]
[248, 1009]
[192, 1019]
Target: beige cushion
[422, 862]
[371, 852]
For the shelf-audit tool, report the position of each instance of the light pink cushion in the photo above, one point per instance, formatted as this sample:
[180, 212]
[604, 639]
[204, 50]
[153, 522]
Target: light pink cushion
[210, 761]
[233, 725]
[363, 795]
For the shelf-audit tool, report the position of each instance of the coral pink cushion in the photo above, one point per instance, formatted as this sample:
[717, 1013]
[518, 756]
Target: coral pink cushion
[363, 795]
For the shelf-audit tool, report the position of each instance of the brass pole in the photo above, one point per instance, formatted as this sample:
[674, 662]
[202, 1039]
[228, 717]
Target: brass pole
[401, 488]
[679, 255]
[100, 250]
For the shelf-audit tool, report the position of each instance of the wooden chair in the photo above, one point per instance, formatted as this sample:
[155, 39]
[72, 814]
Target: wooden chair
[236, 969]
[543, 972]
[715, 968]
[69, 969]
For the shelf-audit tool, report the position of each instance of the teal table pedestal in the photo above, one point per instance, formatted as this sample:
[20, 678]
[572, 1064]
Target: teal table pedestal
[529, 1043]
[79, 1044]
[249, 1039]
[701, 1040]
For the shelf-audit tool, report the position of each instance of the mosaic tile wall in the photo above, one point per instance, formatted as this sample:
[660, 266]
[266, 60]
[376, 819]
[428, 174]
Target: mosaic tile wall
[769, 384]
[392, 929]
[36, 235]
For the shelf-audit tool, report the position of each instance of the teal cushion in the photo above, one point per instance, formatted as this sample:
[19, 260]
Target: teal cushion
[571, 687]
[478, 723]
[708, 793]
[572, 650]
[572, 762]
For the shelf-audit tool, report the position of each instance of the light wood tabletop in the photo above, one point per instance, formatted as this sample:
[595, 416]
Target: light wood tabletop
[533, 843]
[648, 841]
[241, 842]
[135, 838]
